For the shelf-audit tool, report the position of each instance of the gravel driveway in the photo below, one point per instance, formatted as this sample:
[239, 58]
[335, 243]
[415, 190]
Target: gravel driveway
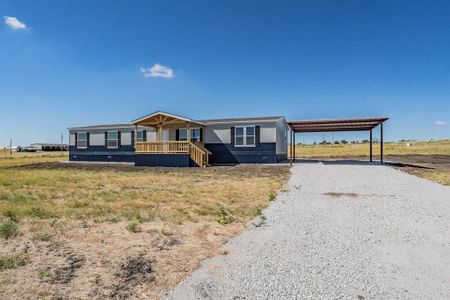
[340, 231]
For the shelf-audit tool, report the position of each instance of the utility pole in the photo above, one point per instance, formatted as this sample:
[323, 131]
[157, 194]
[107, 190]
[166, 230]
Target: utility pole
[62, 137]
[10, 146]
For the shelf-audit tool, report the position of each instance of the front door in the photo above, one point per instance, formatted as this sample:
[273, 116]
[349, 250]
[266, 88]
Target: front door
[165, 135]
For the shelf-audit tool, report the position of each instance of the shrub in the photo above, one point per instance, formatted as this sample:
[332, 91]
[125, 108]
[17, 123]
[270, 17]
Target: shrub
[8, 229]
[45, 272]
[261, 221]
[257, 212]
[272, 196]
[11, 216]
[133, 227]
[12, 262]
[224, 217]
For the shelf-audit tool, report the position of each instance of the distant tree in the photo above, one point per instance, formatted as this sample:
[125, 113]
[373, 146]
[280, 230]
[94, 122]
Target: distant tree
[337, 142]
[323, 142]
[344, 142]
[365, 141]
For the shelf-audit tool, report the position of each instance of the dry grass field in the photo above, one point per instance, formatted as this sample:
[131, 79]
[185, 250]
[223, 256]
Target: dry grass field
[117, 231]
[390, 148]
[433, 157]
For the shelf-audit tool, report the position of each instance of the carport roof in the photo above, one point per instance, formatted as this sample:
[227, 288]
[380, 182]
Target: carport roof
[361, 124]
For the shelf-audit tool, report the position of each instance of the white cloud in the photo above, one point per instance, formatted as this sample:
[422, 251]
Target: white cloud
[14, 23]
[439, 123]
[158, 71]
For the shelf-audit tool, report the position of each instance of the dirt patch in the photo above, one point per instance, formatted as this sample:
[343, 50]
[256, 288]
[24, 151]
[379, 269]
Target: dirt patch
[132, 271]
[65, 273]
[338, 195]
[239, 170]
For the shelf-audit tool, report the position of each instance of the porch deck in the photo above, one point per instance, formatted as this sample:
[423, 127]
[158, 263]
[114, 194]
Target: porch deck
[196, 150]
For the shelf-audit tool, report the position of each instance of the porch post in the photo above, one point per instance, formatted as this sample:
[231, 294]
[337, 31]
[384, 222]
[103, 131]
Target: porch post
[188, 133]
[294, 148]
[381, 143]
[135, 135]
[371, 145]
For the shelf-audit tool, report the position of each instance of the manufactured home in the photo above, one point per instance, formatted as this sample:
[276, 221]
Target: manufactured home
[164, 139]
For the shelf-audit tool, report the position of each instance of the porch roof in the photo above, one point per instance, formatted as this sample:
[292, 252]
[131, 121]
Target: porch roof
[160, 117]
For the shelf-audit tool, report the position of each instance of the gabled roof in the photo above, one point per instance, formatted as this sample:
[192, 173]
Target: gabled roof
[161, 116]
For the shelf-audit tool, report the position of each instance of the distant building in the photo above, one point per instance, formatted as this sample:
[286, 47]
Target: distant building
[50, 147]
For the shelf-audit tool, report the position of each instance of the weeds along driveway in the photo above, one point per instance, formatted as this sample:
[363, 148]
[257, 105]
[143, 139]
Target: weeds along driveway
[339, 231]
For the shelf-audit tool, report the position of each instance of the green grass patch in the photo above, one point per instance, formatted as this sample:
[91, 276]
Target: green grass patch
[13, 261]
[8, 229]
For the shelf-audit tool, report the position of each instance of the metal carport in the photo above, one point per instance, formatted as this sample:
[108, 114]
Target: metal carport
[362, 124]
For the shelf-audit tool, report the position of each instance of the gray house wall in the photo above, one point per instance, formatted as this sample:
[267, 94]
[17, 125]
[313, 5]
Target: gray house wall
[97, 149]
[218, 141]
[272, 146]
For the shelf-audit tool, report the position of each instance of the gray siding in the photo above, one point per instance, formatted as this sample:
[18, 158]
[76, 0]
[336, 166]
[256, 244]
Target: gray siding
[97, 135]
[221, 133]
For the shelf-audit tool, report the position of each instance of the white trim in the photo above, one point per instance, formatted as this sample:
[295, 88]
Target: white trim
[244, 136]
[117, 139]
[85, 140]
[167, 115]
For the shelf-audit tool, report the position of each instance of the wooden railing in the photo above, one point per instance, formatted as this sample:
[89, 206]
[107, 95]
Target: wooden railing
[198, 155]
[197, 151]
[163, 147]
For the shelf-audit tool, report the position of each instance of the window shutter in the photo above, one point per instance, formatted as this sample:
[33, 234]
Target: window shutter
[201, 134]
[106, 138]
[257, 135]
[177, 134]
[132, 137]
[119, 142]
[144, 135]
[76, 139]
[87, 139]
[232, 135]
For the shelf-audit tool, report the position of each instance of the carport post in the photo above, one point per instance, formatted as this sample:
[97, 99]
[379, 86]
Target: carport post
[370, 145]
[294, 147]
[290, 156]
[381, 143]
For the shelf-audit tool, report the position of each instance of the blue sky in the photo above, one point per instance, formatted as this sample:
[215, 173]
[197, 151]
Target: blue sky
[84, 62]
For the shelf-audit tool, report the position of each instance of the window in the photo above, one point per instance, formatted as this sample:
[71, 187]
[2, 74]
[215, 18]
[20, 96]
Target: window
[81, 140]
[140, 136]
[112, 139]
[244, 136]
[183, 134]
[195, 134]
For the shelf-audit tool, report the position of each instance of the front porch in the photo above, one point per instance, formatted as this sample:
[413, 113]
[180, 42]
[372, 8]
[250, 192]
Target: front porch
[177, 142]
